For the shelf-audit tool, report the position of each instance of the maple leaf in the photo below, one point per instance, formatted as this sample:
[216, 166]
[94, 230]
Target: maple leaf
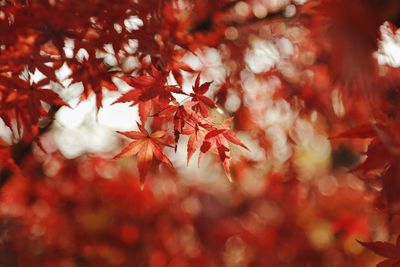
[15, 62]
[387, 250]
[146, 147]
[382, 156]
[382, 150]
[180, 114]
[196, 137]
[147, 89]
[217, 139]
[24, 99]
[198, 96]
[94, 75]
[177, 66]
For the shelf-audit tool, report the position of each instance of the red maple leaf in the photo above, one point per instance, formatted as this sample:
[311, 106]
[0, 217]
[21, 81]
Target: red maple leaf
[148, 90]
[196, 137]
[387, 250]
[146, 146]
[180, 114]
[23, 99]
[383, 156]
[177, 66]
[217, 139]
[198, 96]
[94, 75]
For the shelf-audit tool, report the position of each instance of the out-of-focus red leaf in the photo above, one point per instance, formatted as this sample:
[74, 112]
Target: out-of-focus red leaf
[385, 249]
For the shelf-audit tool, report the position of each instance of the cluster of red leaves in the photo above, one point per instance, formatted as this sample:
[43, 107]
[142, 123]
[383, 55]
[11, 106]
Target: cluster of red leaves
[36, 42]
[189, 118]
[21, 101]
[381, 166]
[370, 96]
[382, 159]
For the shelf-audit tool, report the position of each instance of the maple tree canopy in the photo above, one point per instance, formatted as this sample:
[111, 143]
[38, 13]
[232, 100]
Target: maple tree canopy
[259, 133]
